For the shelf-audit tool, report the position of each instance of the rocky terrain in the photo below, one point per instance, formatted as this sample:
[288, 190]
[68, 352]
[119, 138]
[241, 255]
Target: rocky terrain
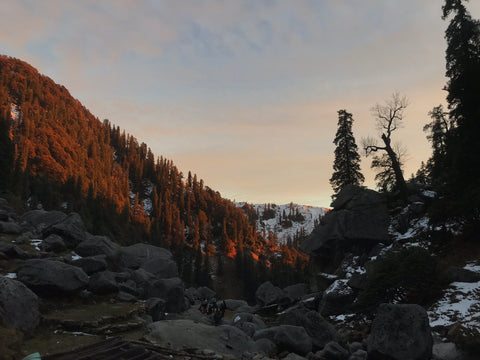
[63, 288]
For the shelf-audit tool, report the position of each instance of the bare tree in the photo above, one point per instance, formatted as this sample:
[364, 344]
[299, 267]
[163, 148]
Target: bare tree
[388, 118]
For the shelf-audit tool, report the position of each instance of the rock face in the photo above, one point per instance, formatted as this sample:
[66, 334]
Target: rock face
[225, 340]
[359, 220]
[50, 277]
[18, 305]
[400, 332]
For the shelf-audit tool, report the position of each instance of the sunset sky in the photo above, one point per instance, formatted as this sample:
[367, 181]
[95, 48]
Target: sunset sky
[243, 93]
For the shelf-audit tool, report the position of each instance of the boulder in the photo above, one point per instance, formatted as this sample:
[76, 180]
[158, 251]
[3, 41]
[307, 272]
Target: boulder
[54, 243]
[224, 339]
[457, 274]
[333, 351]
[295, 292]
[400, 332]
[103, 283]
[97, 245]
[18, 305]
[41, 219]
[12, 251]
[314, 324]
[91, 264]
[336, 298]
[265, 347]
[8, 227]
[248, 323]
[268, 294]
[205, 293]
[71, 229]
[358, 221]
[233, 304]
[192, 295]
[359, 354]
[156, 308]
[171, 291]
[133, 256]
[161, 268]
[51, 277]
[287, 338]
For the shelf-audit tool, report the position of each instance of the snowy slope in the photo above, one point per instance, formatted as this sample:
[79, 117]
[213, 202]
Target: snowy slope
[294, 217]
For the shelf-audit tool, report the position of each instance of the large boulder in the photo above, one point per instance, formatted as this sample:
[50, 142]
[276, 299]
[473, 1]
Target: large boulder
[18, 305]
[295, 292]
[161, 268]
[12, 251]
[314, 324]
[268, 294]
[54, 243]
[9, 227]
[133, 256]
[248, 323]
[71, 229]
[41, 219]
[97, 245]
[336, 298]
[91, 264]
[287, 338]
[224, 339]
[51, 277]
[400, 332]
[358, 221]
[103, 283]
[171, 290]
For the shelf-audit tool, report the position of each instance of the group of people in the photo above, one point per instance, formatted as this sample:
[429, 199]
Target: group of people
[212, 308]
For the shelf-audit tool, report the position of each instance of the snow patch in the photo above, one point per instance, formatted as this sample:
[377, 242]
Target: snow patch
[75, 256]
[11, 275]
[36, 243]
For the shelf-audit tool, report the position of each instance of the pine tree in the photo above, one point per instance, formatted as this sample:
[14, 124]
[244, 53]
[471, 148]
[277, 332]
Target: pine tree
[346, 165]
[463, 86]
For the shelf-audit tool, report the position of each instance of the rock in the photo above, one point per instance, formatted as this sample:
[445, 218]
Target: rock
[457, 274]
[264, 346]
[233, 304]
[156, 308]
[293, 356]
[333, 351]
[401, 332]
[128, 286]
[192, 295]
[446, 351]
[268, 294]
[54, 243]
[224, 339]
[71, 229]
[41, 219]
[91, 264]
[248, 323]
[171, 290]
[123, 296]
[205, 293]
[359, 220]
[51, 277]
[12, 251]
[359, 354]
[358, 281]
[103, 283]
[314, 324]
[133, 256]
[295, 292]
[97, 245]
[336, 298]
[161, 268]
[18, 306]
[287, 338]
[8, 227]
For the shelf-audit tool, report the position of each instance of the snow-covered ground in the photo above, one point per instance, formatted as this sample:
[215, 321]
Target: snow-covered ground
[310, 214]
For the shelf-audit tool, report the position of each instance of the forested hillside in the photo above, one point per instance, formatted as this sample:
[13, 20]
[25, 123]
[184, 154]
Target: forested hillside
[56, 154]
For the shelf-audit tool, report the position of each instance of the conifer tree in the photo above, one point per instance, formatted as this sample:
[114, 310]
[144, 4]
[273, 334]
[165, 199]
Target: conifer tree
[346, 165]
[463, 86]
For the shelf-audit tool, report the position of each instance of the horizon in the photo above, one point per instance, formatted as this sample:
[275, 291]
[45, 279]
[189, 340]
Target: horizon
[244, 94]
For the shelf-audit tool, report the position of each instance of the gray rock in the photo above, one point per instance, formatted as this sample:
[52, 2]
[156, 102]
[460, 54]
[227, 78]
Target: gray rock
[268, 294]
[333, 351]
[295, 292]
[401, 332]
[18, 305]
[233, 304]
[123, 296]
[156, 308]
[161, 268]
[314, 324]
[359, 220]
[171, 290]
[54, 243]
[51, 277]
[359, 354]
[103, 283]
[12, 251]
[133, 256]
[8, 227]
[91, 264]
[265, 346]
[97, 245]
[71, 229]
[358, 281]
[205, 293]
[192, 294]
[41, 219]
[446, 351]
[224, 339]
[248, 323]
[455, 273]
[293, 356]
[287, 338]
[336, 298]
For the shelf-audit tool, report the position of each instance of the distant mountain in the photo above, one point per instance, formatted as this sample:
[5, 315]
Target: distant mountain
[290, 223]
[55, 154]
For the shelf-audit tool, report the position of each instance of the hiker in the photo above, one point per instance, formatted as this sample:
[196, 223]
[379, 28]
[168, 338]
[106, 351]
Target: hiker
[203, 306]
[212, 306]
[218, 315]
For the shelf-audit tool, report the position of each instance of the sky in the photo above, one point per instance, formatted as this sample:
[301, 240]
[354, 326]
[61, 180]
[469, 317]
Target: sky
[244, 93]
